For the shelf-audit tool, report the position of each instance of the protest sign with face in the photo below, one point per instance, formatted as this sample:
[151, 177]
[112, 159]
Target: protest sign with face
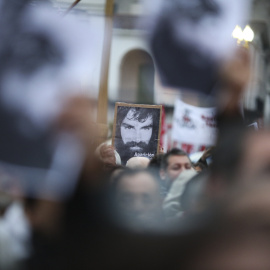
[136, 130]
[44, 60]
[190, 39]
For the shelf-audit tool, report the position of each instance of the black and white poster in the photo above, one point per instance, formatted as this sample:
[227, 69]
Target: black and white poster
[136, 130]
[44, 61]
[190, 39]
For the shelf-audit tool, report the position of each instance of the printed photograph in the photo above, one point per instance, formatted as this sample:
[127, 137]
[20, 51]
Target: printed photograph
[136, 130]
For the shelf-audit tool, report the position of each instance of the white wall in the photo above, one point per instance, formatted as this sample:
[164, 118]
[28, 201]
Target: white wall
[123, 42]
[96, 25]
[90, 6]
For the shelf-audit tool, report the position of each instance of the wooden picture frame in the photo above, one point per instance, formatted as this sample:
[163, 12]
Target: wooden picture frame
[126, 143]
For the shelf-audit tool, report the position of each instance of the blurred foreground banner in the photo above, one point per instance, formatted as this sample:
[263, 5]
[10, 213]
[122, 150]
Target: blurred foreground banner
[189, 39]
[194, 129]
[45, 59]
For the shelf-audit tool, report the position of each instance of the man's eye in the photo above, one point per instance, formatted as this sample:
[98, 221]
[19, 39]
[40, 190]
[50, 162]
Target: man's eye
[128, 127]
[147, 128]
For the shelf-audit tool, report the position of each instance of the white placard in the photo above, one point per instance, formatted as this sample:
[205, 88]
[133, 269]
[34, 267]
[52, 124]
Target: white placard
[193, 126]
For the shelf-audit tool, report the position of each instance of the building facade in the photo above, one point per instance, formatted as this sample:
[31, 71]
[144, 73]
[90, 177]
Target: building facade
[132, 73]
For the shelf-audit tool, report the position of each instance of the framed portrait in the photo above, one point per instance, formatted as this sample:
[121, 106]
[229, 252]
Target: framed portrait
[136, 130]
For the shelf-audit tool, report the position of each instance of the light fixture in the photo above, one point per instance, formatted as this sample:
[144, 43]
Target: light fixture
[247, 35]
[238, 33]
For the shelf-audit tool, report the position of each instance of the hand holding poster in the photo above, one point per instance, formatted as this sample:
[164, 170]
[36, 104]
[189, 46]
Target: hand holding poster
[194, 128]
[136, 130]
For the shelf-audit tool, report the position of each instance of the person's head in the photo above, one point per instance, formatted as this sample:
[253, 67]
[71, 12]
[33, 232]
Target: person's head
[136, 131]
[173, 163]
[138, 162]
[137, 196]
[155, 162]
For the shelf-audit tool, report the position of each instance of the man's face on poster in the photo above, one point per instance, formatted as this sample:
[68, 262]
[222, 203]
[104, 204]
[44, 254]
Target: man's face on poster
[136, 134]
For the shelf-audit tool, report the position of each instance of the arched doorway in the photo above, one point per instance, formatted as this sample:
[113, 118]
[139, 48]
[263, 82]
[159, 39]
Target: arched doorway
[137, 77]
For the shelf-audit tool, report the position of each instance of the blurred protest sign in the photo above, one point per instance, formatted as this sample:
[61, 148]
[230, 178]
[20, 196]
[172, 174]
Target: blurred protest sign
[194, 128]
[45, 59]
[136, 130]
[189, 39]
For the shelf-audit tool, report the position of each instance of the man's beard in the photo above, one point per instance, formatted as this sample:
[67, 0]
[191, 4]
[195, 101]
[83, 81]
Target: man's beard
[142, 146]
[126, 152]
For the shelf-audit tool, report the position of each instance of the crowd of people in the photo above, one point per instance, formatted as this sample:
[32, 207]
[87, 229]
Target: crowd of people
[147, 212]
[154, 213]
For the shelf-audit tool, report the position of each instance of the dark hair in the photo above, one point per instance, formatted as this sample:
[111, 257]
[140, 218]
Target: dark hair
[172, 152]
[110, 168]
[156, 161]
[140, 114]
